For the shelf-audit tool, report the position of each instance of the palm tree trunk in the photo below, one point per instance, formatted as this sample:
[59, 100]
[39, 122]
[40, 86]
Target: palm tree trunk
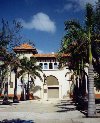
[91, 94]
[22, 93]
[5, 100]
[15, 98]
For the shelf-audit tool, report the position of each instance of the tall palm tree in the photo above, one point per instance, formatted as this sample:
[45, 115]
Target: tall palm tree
[9, 35]
[11, 63]
[14, 65]
[5, 69]
[4, 83]
[78, 42]
[91, 94]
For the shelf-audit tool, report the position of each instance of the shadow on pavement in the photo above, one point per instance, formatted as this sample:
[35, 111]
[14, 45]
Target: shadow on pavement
[16, 121]
[82, 105]
[65, 106]
[10, 103]
[70, 105]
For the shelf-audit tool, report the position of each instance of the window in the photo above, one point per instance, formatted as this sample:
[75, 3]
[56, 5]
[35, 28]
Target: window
[45, 66]
[41, 64]
[50, 66]
[55, 66]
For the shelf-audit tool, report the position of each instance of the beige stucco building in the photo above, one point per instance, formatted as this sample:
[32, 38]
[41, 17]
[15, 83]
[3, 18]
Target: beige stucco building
[55, 83]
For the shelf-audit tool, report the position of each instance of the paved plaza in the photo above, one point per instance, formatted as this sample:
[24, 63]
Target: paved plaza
[37, 111]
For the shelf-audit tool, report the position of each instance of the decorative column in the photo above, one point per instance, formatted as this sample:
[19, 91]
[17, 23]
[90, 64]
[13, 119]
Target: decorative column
[45, 96]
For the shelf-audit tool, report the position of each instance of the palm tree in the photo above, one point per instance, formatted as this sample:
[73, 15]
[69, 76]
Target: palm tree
[29, 68]
[5, 69]
[78, 41]
[91, 94]
[14, 65]
[10, 63]
[9, 35]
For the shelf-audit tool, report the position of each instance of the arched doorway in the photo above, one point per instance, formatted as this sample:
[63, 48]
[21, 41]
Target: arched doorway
[53, 87]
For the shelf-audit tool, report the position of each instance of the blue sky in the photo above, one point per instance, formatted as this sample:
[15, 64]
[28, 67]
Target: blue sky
[43, 20]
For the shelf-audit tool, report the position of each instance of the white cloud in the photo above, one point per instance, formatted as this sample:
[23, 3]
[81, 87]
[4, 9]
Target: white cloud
[41, 22]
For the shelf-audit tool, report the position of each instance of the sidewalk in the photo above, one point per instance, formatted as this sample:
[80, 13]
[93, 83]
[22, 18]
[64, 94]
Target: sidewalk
[52, 111]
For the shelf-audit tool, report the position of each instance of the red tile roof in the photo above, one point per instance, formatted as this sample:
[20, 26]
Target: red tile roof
[24, 46]
[49, 55]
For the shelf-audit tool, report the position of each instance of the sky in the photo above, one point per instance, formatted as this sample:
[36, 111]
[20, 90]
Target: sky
[43, 20]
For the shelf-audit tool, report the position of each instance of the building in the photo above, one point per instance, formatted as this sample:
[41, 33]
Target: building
[55, 84]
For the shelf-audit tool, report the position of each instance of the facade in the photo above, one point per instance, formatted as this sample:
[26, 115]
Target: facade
[55, 84]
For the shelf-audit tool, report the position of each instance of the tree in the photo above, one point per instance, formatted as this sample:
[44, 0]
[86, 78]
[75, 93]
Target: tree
[15, 65]
[6, 57]
[11, 63]
[91, 95]
[75, 43]
[97, 19]
[79, 43]
[30, 68]
[9, 36]
[96, 44]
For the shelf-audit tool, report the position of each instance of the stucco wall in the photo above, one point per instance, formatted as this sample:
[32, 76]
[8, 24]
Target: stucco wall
[64, 83]
[60, 74]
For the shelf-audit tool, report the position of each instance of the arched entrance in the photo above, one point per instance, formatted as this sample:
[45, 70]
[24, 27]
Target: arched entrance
[53, 87]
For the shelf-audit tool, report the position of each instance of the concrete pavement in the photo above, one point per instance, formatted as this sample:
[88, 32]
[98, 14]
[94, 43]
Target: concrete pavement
[51, 111]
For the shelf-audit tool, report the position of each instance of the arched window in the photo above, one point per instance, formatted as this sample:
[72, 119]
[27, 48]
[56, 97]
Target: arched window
[45, 66]
[41, 64]
[55, 66]
[50, 66]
